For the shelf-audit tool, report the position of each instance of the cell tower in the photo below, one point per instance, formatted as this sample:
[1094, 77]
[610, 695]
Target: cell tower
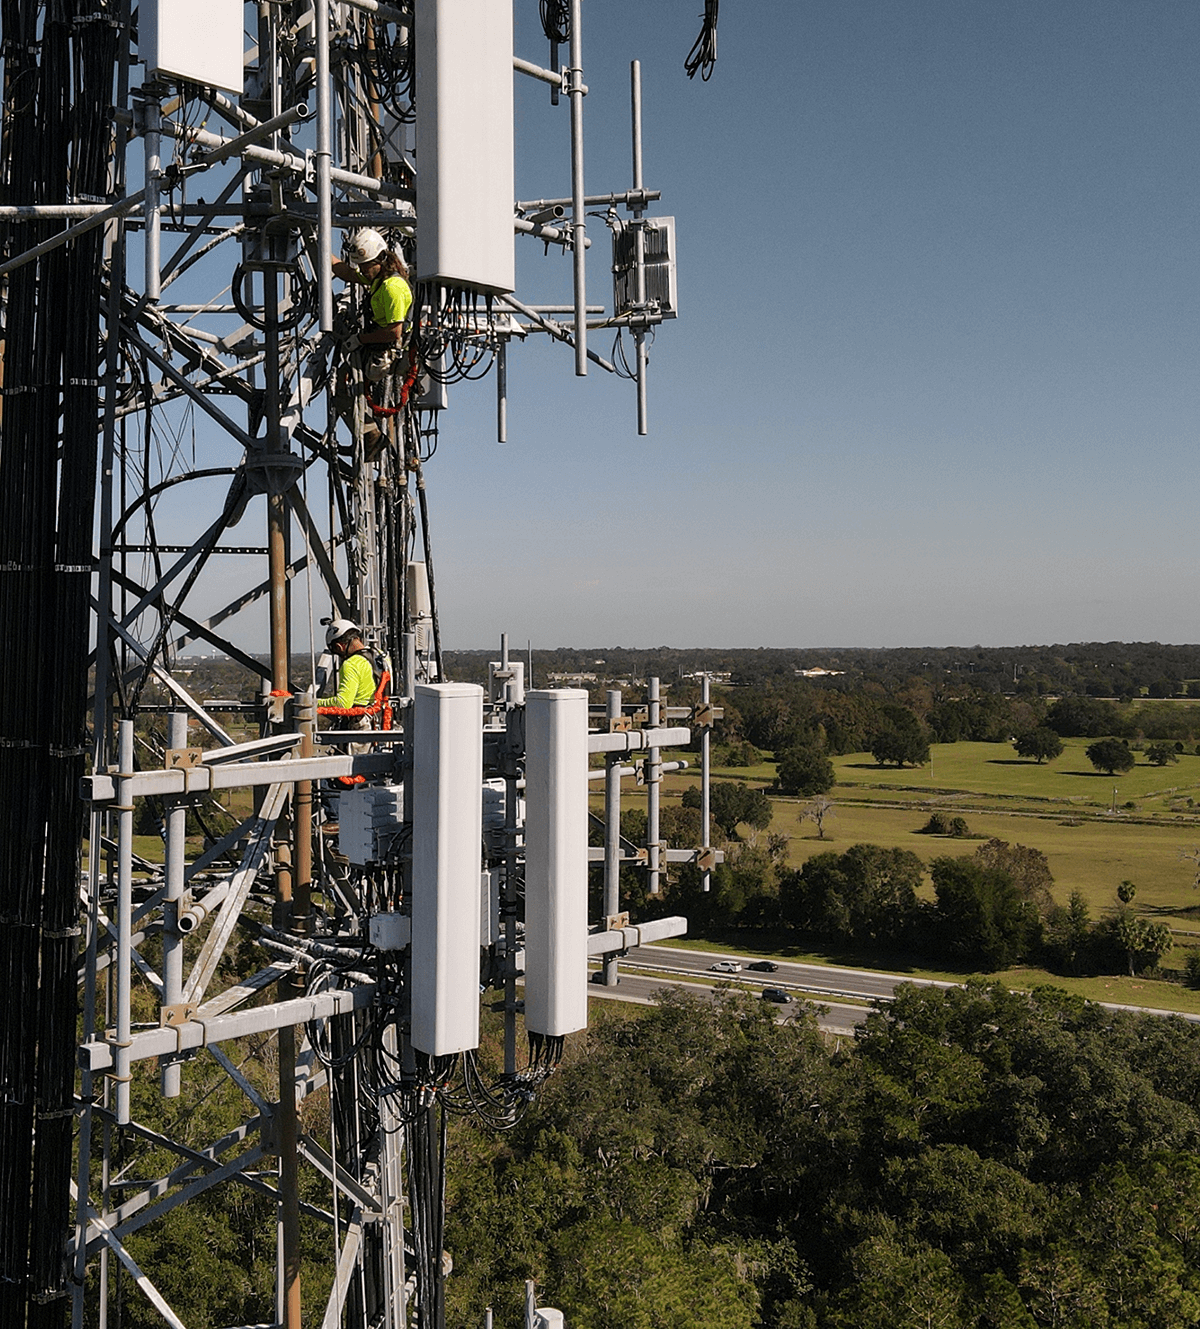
[176, 180]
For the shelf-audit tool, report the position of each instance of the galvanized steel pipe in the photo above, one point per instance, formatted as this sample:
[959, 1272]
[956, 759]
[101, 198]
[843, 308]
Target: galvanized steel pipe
[176, 843]
[124, 915]
[653, 771]
[324, 158]
[576, 91]
[612, 826]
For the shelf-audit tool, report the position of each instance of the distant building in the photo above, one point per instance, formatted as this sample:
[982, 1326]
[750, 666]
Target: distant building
[572, 680]
[720, 677]
[818, 672]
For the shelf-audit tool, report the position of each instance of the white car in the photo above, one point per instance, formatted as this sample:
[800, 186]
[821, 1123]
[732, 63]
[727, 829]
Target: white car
[726, 967]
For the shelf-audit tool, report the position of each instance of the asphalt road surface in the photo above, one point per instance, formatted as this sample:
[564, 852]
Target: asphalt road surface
[837, 1018]
[683, 968]
[851, 991]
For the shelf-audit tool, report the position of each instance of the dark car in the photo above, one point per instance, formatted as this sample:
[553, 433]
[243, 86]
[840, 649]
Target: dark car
[777, 995]
[764, 966]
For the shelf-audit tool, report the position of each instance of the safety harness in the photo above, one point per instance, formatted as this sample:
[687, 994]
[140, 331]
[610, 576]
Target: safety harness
[380, 704]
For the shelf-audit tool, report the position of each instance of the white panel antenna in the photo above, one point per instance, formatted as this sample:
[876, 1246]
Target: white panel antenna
[465, 143]
[198, 40]
[447, 830]
[556, 857]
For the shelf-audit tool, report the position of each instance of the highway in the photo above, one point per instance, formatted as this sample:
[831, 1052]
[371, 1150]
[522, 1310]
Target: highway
[849, 991]
[642, 991]
[803, 982]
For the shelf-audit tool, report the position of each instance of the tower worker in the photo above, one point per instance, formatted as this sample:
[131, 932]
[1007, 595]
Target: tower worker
[371, 263]
[377, 345]
[355, 678]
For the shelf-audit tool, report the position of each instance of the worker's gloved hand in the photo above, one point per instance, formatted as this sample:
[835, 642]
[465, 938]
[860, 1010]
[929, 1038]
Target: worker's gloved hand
[352, 343]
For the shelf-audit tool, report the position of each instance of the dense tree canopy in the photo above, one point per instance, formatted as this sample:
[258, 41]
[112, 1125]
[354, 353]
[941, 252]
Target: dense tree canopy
[1082, 717]
[974, 1158]
[865, 896]
[731, 802]
[1042, 744]
[901, 740]
[1110, 755]
[984, 917]
[804, 770]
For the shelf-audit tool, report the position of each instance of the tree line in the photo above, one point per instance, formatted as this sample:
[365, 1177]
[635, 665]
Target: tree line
[1104, 669]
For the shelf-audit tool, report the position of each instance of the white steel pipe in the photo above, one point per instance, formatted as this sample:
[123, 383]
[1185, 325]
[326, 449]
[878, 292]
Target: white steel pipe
[653, 776]
[153, 233]
[620, 939]
[324, 159]
[176, 843]
[124, 915]
[126, 205]
[389, 13]
[289, 161]
[225, 148]
[536, 71]
[198, 1033]
[578, 207]
[634, 740]
[238, 775]
[34, 211]
[705, 807]
[612, 829]
[639, 240]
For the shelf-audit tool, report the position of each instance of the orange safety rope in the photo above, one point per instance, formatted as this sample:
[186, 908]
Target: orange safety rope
[414, 368]
[380, 702]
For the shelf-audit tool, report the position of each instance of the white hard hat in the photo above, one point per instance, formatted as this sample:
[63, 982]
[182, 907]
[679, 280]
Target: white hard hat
[337, 629]
[364, 245]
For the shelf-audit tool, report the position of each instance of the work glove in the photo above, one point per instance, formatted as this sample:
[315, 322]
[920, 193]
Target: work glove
[352, 343]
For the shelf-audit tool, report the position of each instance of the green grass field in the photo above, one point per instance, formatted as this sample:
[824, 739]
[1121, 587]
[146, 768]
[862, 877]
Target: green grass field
[1060, 807]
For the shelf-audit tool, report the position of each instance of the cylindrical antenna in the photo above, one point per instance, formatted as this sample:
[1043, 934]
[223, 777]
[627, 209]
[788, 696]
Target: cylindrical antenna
[324, 161]
[612, 833]
[577, 196]
[153, 236]
[502, 391]
[639, 238]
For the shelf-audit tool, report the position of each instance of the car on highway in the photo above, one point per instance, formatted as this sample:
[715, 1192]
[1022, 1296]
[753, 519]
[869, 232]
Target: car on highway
[777, 995]
[764, 966]
[726, 967]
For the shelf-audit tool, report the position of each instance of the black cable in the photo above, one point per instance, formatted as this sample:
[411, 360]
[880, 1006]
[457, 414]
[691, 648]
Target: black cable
[556, 20]
[302, 306]
[703, 55]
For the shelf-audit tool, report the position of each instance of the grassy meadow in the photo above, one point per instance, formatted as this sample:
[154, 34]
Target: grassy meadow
[1062, 808]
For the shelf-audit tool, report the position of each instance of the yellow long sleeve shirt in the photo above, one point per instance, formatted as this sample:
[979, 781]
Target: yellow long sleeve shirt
[356, 685]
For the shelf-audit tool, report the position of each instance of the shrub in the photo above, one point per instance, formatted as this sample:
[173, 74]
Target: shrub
[1191, 967]
[940, 824]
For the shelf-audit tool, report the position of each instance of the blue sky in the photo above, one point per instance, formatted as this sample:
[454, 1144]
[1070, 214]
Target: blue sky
[934, 377]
